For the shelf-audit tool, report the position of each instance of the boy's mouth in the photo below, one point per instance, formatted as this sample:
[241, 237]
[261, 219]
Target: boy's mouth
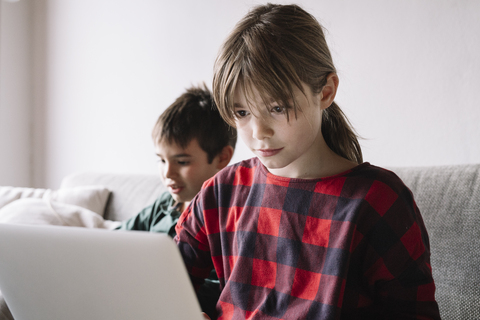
[175, 189]
[268, 152]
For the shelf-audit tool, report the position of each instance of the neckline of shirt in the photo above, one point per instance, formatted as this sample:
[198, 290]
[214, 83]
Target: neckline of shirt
[268, 174]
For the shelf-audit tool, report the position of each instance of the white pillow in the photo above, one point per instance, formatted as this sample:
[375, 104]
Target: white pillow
[93, 198]
[45, 212]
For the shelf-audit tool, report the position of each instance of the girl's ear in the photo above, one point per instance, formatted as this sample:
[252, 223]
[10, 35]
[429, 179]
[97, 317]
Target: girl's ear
[329, 91]
[224, 157]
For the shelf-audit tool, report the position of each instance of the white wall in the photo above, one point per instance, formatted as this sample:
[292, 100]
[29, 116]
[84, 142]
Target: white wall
[112, 68]
[410, 78]
[105, 69]
[15, 94]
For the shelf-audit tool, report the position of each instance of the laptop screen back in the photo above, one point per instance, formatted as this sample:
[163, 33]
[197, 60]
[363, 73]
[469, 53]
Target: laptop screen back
[72, 273]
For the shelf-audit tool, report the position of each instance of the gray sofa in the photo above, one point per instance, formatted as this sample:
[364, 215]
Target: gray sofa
[448, 198]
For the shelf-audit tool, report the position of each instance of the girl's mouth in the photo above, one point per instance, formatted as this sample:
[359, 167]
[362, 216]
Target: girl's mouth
[268, 152]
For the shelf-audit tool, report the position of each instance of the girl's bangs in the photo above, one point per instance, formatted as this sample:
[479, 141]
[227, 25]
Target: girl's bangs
[272, 87]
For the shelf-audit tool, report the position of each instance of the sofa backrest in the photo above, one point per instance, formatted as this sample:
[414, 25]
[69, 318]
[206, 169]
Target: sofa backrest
[449, 200]
[130, 193]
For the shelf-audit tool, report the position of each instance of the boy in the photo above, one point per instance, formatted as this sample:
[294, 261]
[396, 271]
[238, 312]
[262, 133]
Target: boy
[193, 143]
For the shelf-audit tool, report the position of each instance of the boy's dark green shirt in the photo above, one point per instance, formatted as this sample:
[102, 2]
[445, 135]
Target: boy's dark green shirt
[162, 216]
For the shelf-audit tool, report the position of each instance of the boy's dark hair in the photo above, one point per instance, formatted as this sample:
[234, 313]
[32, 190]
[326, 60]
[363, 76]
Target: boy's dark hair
[195, 115]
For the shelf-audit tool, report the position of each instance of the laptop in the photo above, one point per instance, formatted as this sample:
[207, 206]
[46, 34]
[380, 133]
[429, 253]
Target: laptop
[69, 273]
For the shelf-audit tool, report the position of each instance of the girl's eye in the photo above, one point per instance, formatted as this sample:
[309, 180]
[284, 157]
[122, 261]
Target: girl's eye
[241, 113]
[278, 109]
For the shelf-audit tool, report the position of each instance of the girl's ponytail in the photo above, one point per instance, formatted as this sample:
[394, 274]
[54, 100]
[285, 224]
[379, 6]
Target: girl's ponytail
[339, 134]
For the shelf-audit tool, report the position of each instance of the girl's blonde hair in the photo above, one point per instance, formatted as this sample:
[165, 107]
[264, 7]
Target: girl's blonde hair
[273, 49]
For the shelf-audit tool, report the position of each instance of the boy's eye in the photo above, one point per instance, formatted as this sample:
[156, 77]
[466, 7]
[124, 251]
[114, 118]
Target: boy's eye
[183, 163]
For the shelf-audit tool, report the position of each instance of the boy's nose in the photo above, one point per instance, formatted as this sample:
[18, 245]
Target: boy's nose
[168, 170]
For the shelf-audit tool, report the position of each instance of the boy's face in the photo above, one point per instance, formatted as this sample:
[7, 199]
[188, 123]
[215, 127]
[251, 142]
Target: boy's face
[183, 170]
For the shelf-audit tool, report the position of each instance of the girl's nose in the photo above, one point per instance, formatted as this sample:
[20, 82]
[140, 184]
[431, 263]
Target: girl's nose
[261, 128]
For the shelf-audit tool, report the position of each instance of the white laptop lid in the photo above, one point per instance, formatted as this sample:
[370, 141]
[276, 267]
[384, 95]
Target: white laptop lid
[67, 273]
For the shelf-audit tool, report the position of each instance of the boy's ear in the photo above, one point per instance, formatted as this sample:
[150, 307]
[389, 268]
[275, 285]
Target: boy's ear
[224, 157]
[329, 91]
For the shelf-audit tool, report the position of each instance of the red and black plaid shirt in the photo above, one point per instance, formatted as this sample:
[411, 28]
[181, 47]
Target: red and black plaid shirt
[350, 246]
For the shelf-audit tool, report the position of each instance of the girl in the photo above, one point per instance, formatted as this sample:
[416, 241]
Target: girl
[305, 230]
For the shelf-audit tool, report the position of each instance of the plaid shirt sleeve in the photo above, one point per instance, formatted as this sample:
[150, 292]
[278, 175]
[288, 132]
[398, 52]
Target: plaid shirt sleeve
[352, 246]
[193, 243]
[391, 245]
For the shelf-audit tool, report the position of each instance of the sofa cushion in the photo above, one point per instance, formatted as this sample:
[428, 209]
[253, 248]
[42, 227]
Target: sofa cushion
[130, 193]
[47, 212]
[449, 200]
[93, 197]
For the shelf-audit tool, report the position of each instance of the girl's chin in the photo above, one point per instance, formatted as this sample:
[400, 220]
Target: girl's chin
[274, 162]
[272, 165]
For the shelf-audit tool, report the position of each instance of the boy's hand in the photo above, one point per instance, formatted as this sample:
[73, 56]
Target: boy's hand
[205, 316]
